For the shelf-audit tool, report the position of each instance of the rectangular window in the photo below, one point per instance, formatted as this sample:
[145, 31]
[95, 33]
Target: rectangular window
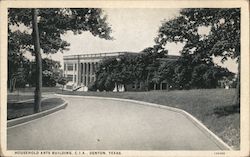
[133, 85]
[70, 67]
[70, 77]
[75, 67]
[139, 85]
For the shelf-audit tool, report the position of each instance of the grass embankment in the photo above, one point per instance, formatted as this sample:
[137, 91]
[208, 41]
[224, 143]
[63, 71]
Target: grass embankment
[32, 89]
[213, 107]
[16, 109]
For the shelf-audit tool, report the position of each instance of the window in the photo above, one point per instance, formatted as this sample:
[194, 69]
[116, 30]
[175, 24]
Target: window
[133, 85]
[139, 85]
[70, 67]
[70, 77]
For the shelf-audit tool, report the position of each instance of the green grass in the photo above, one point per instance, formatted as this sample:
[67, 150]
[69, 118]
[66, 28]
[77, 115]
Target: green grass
[32, 89]
[16, 98]
[16, 110]
[213, 107]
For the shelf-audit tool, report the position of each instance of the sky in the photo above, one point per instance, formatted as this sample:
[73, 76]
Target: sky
[133, 30]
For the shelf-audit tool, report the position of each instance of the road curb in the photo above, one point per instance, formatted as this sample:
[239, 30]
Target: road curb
[17, 121]
[219, 142]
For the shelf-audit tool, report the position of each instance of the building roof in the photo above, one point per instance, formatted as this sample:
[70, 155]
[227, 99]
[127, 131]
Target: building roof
[111, 54]
[96, 55]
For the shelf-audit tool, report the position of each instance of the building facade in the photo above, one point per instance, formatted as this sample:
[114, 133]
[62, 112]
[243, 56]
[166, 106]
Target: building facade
[80, 69]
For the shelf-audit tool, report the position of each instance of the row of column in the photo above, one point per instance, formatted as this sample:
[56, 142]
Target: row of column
[86, 73]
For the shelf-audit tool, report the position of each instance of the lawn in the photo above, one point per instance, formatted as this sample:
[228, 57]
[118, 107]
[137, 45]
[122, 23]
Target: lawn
[213, 107]
[32, 89]
[16, 110]
[17, 98]
[20, 103]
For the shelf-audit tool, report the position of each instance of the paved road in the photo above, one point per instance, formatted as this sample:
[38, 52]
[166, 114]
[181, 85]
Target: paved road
[95, 124]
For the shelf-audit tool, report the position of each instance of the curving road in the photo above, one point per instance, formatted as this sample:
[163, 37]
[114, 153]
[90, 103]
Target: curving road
[95, 124]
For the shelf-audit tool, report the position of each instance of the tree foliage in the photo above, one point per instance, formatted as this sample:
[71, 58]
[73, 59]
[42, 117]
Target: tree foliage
[222, 40]
[51, 72]
[47, 26]
[53, 22]
[62, 81]
[128, 68]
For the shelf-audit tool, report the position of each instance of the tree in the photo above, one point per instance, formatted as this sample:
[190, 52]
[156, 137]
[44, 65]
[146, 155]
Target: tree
[50, 72]
[166, 71]
[129, 68]
[108, 74]
[62, 81]
[17, 41]
[223, 38]
[49, 24]
[18, 71]
[151, 57]
[37, 50]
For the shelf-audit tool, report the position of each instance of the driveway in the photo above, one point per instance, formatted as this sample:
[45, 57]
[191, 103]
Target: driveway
[96, 124]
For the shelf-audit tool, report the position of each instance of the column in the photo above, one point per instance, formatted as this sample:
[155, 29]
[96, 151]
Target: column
[73, 73]
[79, 70]
[79, 73]
[83, 73]
[91, 72]
[76, 68]
[96, 66]
[66, 70]
[87, 74]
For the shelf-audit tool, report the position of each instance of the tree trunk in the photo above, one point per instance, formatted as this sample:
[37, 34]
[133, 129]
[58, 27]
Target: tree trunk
[11, 85]
[237, 93]
[148, 82]
[14, 84]
[38, 93]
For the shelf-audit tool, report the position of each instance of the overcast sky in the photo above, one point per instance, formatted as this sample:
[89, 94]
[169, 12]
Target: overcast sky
[133, 30]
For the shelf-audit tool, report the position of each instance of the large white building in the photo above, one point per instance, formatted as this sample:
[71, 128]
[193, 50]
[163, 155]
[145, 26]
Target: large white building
[80, 69]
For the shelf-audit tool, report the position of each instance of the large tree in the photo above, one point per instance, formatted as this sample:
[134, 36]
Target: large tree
[129, 68]
[47, 26]
[50, 72]
[222, 40]
[17, 63]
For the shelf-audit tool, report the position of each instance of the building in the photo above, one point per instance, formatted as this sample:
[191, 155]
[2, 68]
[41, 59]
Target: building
[80, 69]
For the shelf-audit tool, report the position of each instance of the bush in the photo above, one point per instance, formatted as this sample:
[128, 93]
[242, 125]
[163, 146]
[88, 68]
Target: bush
[92, 87]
